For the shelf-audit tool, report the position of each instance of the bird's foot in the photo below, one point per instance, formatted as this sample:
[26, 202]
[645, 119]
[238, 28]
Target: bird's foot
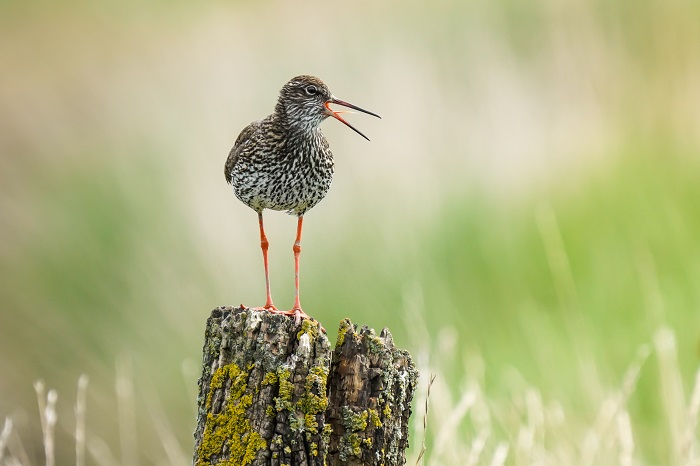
[270, 308]
[297, 313]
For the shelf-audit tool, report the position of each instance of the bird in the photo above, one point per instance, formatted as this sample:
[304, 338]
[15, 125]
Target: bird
[284, 162]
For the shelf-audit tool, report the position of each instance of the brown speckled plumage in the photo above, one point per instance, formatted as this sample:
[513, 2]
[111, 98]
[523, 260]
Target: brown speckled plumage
[283, 162]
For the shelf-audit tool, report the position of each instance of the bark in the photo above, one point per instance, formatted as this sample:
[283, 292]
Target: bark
[372, 384]
[268, 397]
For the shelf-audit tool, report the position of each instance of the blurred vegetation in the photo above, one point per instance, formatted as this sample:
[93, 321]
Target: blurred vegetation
[529, 200]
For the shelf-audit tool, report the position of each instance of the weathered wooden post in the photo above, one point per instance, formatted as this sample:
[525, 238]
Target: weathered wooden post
[274, 393]
[371, 386]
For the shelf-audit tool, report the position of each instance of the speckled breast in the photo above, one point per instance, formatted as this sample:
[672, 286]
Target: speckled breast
[294, 182]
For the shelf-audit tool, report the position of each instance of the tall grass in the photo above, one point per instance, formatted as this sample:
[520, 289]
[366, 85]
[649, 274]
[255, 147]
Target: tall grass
[474, 428]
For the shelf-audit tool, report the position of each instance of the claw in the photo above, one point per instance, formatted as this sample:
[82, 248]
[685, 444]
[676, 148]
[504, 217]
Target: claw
[269, 308]
[298, 314]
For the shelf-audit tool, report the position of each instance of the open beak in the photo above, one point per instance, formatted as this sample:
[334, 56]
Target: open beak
[337, 116]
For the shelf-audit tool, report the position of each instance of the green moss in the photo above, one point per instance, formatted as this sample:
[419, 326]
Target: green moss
[345, 325]
[302, 408]
[349, 446]
[286, 389]
[355, 426]
[310, 423]
[376, 345]
[327, 430]
[230, 428]
[321, 375]
[310, 404]
[269, 379]
[387, 411]
[374, 418]
[213, 347]
[309, 326]
[295, 423]
[350, 441]
[354, 422]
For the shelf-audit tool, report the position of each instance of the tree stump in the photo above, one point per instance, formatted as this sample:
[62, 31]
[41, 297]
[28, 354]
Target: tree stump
[269, 395]
[371, 385]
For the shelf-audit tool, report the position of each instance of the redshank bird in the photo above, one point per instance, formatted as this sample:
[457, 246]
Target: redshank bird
[283, 162]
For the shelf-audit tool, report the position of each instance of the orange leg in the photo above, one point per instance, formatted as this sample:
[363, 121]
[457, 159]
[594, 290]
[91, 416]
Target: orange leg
[264, 244]
[298, 313]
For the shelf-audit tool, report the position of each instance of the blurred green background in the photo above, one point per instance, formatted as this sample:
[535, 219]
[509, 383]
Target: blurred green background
[525, 217]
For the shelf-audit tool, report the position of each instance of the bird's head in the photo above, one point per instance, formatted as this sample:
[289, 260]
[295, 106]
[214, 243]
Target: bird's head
[305, 102]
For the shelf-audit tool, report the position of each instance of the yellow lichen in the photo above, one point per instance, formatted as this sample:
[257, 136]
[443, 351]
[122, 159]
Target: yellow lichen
[310, 403]
[354, 422]
[374, 418]
[310, 423]
[376, 345]
[345, 325]
[269, 379]
[387, 410]
[309, 326]
[229, 428]
[355, 436]
[286, 389]
[349, 446]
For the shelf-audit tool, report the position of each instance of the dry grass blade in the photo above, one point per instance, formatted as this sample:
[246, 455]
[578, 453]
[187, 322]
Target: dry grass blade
[80, 408]
[449, 426]
[419, 461]
[610, 411]
[170, 444]
[124, 388]
[51, 418]
[18, 455]
[625, 439]
[673, 396]
[47, 413]
[5, 436]
[477, 447]
[688, 447]
[500, 455]
[40, 390]
[100, 452]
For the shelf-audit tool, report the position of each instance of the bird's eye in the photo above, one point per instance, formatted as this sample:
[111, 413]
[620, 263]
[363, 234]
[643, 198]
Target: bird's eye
[311, 90]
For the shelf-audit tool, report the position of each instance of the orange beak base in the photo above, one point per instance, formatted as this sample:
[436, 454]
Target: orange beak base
[337, 116]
